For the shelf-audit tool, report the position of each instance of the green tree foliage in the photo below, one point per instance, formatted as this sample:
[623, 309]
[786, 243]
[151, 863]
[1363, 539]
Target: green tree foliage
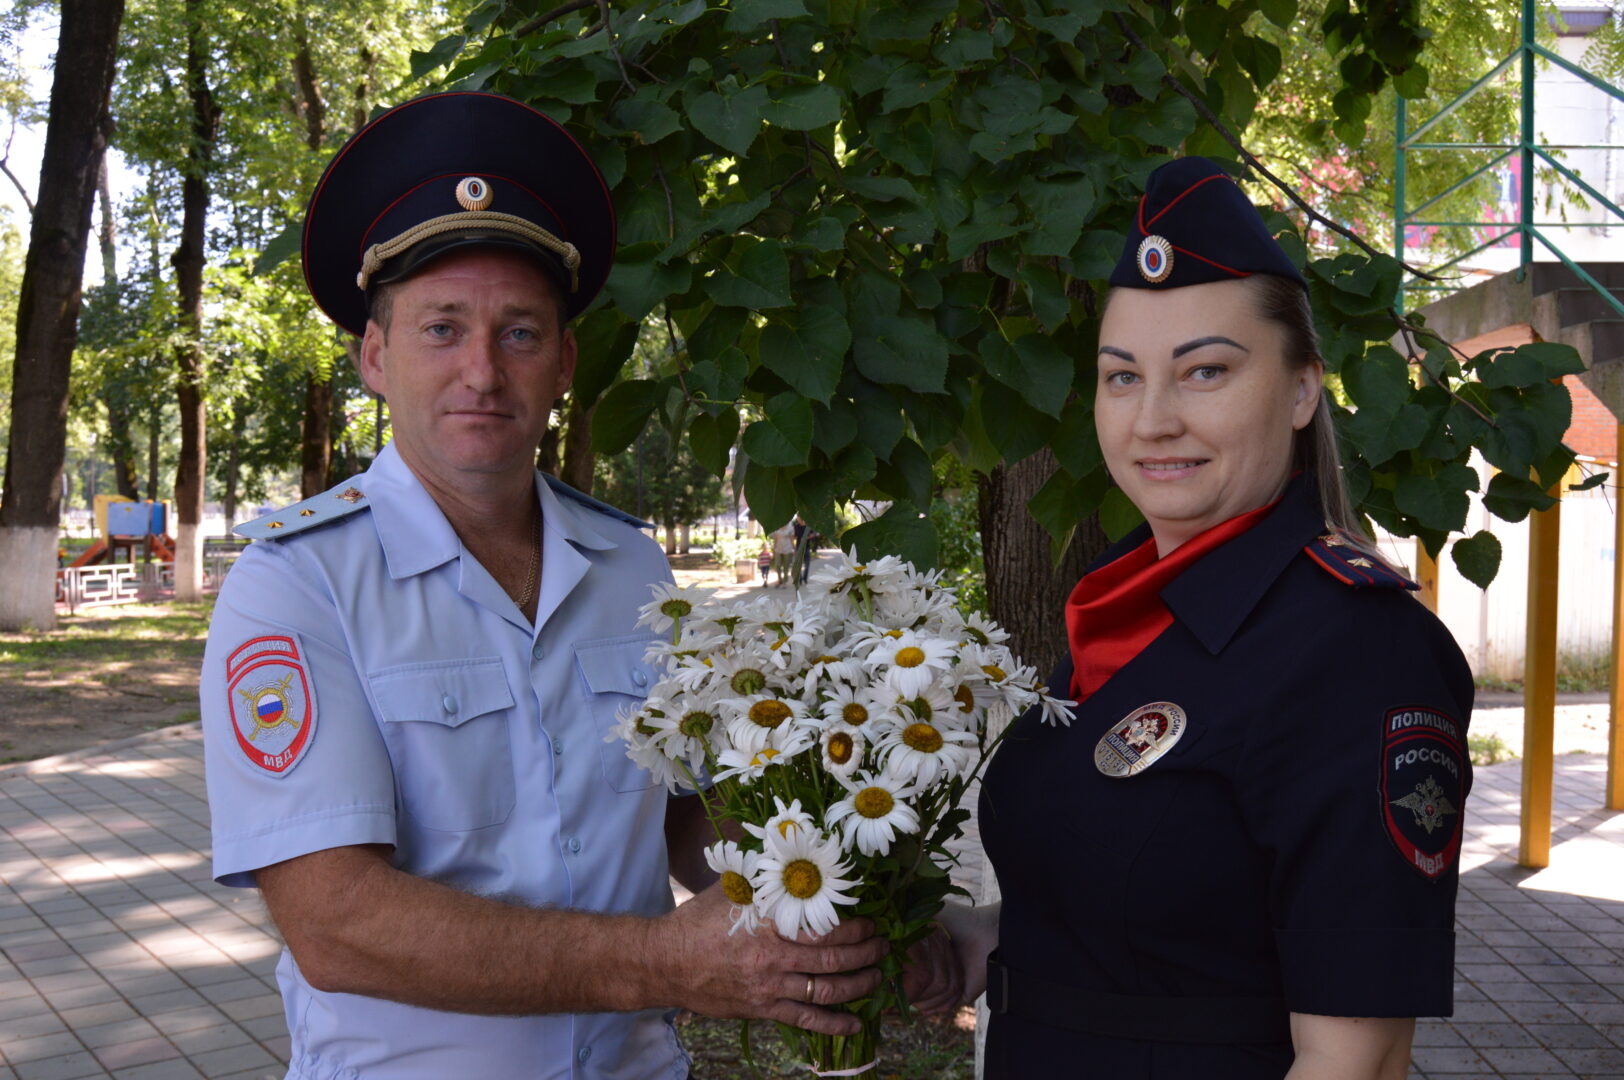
[879, 233]
[12, 248]
[659, 479]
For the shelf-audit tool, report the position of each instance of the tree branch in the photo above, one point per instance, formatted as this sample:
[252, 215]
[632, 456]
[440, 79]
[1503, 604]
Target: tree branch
[5, 167]
[557, 13]
[1251, 160]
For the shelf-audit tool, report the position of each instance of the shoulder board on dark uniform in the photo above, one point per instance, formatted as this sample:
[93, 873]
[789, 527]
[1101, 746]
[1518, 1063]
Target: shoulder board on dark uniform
[330, 505]
[564, 491]
[1345, 557]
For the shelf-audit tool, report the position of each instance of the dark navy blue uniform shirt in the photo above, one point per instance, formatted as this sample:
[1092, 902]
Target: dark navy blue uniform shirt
[1299, 842]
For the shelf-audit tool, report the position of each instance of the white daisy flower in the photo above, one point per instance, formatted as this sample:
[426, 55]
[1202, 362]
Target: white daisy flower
[834, 669]
[851, 705]
[747, 766]
[983, 631]
[671, 604]
[842, 748]
[798, 883]
[746, 673]
[912, 662]
[922, 752]
[737, 867]
[874, 812]
[690, 727]
[934, 705]
[763, 720]
[789, 819]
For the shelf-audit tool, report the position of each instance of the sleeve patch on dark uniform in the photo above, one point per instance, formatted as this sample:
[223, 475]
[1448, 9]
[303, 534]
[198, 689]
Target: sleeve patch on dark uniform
[1423, 785]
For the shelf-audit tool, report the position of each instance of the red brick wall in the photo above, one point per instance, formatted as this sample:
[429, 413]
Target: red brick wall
[1594, 430]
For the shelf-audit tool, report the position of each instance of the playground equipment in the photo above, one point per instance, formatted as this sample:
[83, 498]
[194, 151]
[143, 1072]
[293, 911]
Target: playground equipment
[126, 524]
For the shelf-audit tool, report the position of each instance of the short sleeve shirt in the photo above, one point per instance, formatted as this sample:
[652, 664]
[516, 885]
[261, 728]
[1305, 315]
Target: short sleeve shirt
[369, 682]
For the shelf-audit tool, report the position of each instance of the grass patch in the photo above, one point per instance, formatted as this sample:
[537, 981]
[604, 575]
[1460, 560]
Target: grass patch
[930, 1048]
[133, 633]
[1488, 750]
[1576, 673]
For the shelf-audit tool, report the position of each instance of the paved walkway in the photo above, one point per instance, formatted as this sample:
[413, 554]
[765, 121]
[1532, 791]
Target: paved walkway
[121, 957]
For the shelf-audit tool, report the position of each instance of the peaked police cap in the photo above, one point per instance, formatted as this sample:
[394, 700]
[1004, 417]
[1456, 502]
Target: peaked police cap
[455, 170]
[1196, 225]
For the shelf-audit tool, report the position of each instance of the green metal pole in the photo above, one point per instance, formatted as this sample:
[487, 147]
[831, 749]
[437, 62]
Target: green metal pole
[1398, 196]
[1526, 215]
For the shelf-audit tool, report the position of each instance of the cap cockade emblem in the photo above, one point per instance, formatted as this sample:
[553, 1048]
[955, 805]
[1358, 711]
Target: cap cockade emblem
[474, 193]
[1155, 259]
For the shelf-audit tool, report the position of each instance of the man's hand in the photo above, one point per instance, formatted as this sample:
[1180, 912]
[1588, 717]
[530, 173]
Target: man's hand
[764, 975]
[933, 978]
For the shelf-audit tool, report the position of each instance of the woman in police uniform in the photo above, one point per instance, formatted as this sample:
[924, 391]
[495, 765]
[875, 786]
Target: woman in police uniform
[1240, 858]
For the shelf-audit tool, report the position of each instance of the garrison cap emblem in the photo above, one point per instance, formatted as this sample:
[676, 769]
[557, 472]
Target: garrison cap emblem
[1155, 259]
[1143, 736]
[1424, 779]
[271, 707]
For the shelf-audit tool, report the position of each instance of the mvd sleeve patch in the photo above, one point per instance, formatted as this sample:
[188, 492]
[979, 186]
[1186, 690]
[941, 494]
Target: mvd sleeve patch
[1423, 785]
[272, 707]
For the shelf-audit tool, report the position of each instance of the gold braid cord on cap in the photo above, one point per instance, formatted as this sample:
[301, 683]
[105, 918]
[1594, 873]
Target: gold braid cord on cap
[378, 254]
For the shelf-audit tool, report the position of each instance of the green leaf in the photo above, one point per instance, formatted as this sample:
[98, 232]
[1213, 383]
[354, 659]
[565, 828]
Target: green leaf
[1076, 444]
[646, 120]
[439, 54]
[902, 351]
[1207, 25]
[746, 15]
[907, 474]
[1280, 12]
[1260, 58]
[718, 332]
[802, 108]
[711, 437]
[825, 233]
[879, 421]
[783, 436]
[912, 85]
[604, 340]
[1412, 84]
[1060, 209]
[1512, 497]
[1436, 502]
[1055, 506]
[1012, 426]
[1477, 557]
[1118, 516]
[1555, 359]
[729, 120]
[834, 426]
[964, 46]
[638, 283]
[770, 491]
[622, 412]
[1380, 433]
[1379, 380]
[571, 84]
[1035, 367]
[902, 531]
[809, 351]
[280, 248]
[761, 280]
[1593, 480]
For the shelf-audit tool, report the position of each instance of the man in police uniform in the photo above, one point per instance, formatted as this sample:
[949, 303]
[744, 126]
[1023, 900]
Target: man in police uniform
[409, 678]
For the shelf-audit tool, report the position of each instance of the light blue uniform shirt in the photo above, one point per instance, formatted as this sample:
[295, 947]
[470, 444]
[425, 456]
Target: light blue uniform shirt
[368, 682]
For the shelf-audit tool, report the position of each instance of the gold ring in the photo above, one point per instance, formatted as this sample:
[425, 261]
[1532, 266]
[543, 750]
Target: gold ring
[809, 983]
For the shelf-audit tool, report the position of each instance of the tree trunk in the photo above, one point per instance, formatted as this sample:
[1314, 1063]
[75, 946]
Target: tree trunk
[547, 452]
[670, 537]
[188, 262]
[576, 468]
[48, 311]
[122, 450]
[239, 422]
[154, 427]
[1026, 592]
[316, 456]
[687, 537]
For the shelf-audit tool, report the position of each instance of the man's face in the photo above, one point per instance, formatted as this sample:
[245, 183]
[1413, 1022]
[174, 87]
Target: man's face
[472, 361]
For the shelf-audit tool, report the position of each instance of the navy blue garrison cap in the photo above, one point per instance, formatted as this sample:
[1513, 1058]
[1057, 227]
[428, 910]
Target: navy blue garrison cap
[455, 170]
[1196, 225]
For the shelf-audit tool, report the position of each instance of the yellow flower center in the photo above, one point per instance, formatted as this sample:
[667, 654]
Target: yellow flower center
[893, 634]
[966, 700]
[747, 681]
[780, 643]
[827, 660]
[873, 802]
[854, 714]
[922, 737]
[802, 879]
[910, 657]
[736, 888]
[696, 724]
[769, 713]
[840, 747]
[676, 609]
[763, 756]
[787, 826]
[994, 672]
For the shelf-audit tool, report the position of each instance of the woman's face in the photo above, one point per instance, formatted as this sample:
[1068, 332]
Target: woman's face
[1196, 408]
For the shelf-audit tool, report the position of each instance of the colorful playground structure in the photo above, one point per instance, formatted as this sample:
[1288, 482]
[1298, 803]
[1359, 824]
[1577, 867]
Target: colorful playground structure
[124, 525]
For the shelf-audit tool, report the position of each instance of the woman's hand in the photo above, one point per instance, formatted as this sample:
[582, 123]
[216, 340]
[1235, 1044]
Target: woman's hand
[973, 932]
[1350, 1047]
[933, 979]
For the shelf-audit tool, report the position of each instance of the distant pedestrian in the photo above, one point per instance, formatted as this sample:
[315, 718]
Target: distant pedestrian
[783, 551]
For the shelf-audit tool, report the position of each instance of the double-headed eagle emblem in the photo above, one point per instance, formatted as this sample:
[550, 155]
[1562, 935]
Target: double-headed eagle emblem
[1428, 804]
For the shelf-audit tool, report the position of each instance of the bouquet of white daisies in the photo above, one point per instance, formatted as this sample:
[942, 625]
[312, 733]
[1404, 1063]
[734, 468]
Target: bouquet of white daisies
[840, 730]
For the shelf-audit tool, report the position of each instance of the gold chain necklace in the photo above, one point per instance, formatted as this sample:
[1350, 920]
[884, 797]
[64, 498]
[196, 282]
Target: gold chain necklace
[535, 559]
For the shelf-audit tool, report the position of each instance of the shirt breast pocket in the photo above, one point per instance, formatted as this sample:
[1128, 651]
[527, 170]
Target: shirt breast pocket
[446, 726]
[616, 677]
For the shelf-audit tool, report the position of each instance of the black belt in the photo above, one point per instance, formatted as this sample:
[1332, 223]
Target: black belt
[1154, 1019]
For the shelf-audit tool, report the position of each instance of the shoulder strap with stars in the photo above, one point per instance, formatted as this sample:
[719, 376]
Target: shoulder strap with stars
[1346, 558]
[564, 491]
[330, 505]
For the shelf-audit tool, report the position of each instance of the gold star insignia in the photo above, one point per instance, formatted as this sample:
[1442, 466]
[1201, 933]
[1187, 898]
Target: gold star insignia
[1333, 540]
[273, 525]
[307, 512]
[1360, 562]
[351, 495]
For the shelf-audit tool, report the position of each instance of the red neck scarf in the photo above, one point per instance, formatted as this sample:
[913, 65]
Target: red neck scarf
[1117, 610]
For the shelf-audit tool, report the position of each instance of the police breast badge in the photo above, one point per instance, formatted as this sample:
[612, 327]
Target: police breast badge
[271, 705]
[1424, 775]
[1144, 735]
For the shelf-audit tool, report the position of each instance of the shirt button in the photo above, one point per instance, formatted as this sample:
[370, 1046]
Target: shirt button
[583, 1053]
[575, 846]
[558, 746]
[449, 703]
[639, 677]
[537, 651]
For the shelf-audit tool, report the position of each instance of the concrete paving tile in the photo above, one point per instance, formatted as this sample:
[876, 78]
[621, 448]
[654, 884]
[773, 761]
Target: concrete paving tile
[196, 1018]
[43, 949]
[29, 1004]
[10, 988]
[165, 1001]
[54, 965]
[1612, 1032]
[22, 1028]
[73, 1066]
[1539, 1012]
[200, 975]
[72, 931]
[119, 1031]
[75, 997]
[280, 1045]
[1475, 1011]
[266, 1027]
[1552, 974]
[163, 1070]
[1448, 1060]
[1599, 1012]
[39, 1047]
[213, 1037]
[136, 1052]
[1480, 1035]
[145, 981]
[66, 980]
[1521, 1059]
[1594, 993]
[235, 990]
[89, 1015]
[253, 1007]
[254, 1074]
[1555, 1036]
[1588, 1059]
[234, 1059]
